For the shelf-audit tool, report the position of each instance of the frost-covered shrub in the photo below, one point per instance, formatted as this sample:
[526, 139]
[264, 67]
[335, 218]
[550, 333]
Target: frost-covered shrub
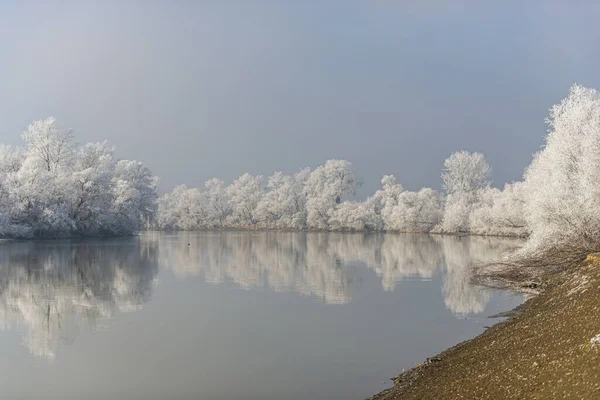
[414, 211]
[353, 216]
[500, 212]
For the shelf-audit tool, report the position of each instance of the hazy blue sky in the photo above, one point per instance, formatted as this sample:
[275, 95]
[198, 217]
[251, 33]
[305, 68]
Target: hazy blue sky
[216, 88]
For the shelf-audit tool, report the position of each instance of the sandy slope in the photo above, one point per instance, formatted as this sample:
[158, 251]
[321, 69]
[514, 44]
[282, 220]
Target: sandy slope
[544, 352]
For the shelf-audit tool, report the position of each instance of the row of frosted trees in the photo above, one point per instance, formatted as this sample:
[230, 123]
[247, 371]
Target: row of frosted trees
[313, 200]
[53, 188]
[557, 205]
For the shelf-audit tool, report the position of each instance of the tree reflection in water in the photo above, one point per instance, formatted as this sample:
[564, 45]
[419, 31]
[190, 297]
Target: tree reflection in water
[55, 288]
[321, 264]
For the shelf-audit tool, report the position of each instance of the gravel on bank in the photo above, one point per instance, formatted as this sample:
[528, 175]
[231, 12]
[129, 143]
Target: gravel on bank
[549, 350]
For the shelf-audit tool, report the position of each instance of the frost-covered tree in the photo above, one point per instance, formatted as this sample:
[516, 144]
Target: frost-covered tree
[217, 202]
[283, 205]
[134, 191]
[354, 216]
[415, 211]
[10, 159]
[182, 209]
[324, 190]
[405, 211]
[90, 196]
[500, 212]
[51, 145]
[244, 195]
[388, 198]
[55, 188]
[38, 197]
[465, 175]
[562, 185]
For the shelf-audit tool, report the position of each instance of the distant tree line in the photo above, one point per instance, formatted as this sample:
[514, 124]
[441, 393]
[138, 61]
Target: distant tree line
[313, 200]
[557, 205]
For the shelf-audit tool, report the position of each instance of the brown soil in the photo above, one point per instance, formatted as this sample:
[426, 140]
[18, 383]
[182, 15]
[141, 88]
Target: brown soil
[544, 352]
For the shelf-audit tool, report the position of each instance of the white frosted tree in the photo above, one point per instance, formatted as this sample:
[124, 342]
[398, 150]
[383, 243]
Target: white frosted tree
[48, 143]
[11, 161]
[54, 188]
[465, 172]
[562, 189]
[182, 209]
[354, 216]
[465, 175]
[37, 196]
[415, 211]
[283, 204]
[135, 196]
[324, 190]
[500, 212]
[244, 195]
[90, 196]
[167, 211]
[217, 202]
[388, 196]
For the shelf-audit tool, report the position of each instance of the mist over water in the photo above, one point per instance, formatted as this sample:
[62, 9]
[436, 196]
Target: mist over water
[250, 306]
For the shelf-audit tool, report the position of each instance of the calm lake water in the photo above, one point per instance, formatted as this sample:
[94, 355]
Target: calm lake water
[235, 315]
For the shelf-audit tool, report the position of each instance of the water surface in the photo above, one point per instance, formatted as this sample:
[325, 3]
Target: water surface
[235, 315]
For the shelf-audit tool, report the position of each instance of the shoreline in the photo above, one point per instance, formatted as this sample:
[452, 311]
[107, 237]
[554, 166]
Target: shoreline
[544, 349]
[315, 230]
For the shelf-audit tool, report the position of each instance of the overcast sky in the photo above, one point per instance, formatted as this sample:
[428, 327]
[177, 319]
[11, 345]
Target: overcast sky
[217, 88]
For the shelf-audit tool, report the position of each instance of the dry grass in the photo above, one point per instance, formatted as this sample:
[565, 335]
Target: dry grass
[528, 273]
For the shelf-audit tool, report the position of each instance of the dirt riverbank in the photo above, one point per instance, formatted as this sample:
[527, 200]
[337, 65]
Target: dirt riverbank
[546, 351]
